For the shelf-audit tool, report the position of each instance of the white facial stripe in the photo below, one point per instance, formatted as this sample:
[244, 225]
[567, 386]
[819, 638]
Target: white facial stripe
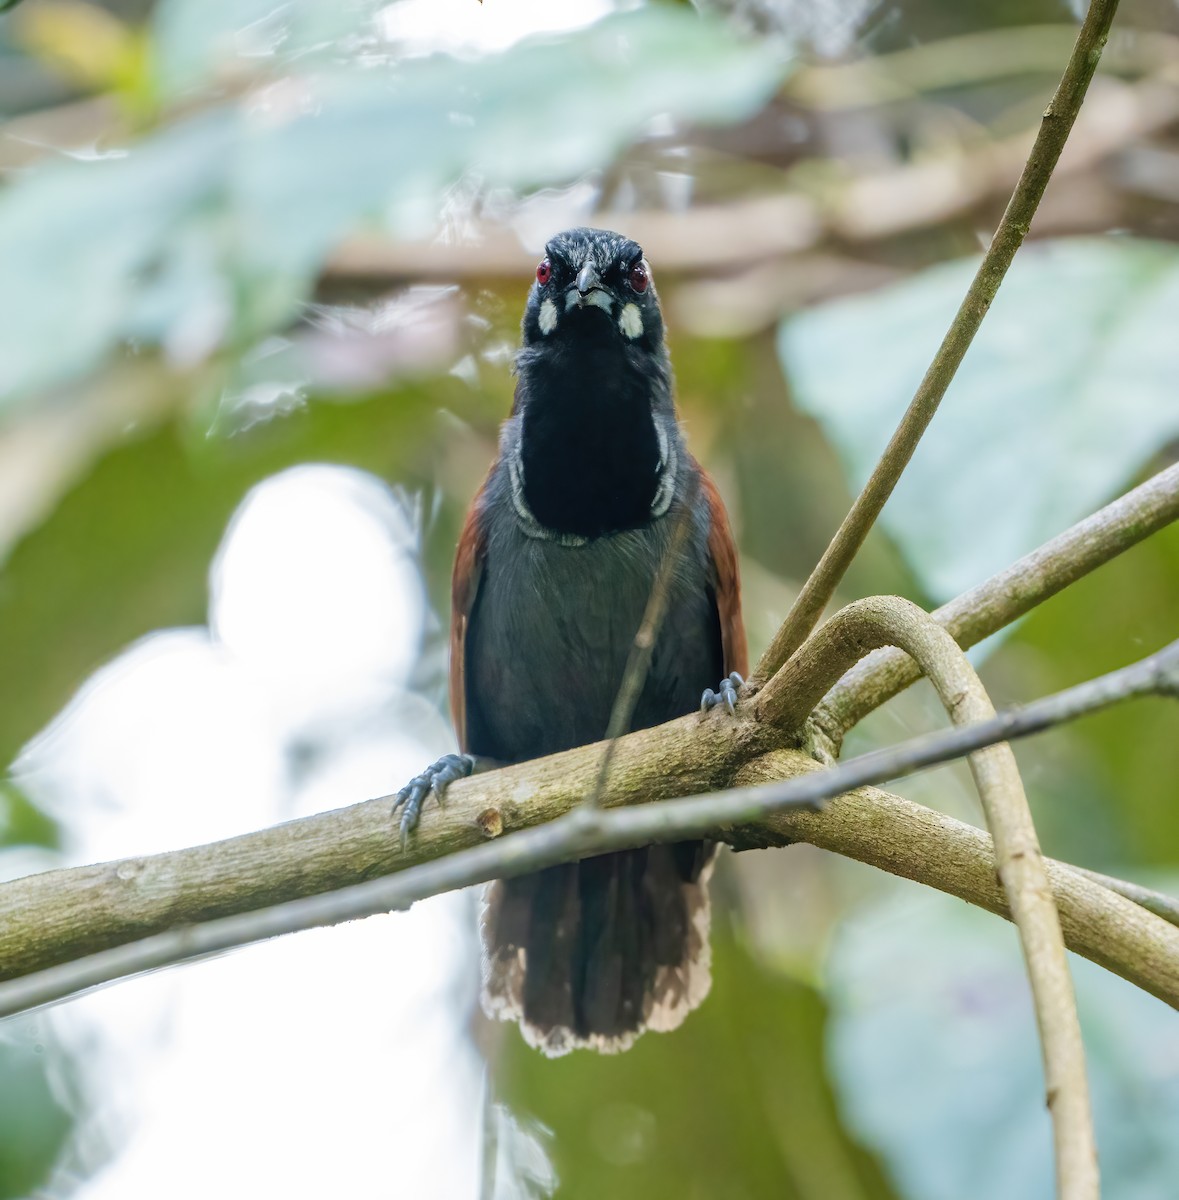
[668, 467]
[548, 317]
[630, 321]
[531, 526]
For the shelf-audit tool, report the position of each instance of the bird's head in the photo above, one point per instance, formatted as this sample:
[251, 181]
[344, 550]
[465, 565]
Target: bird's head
[593, 285]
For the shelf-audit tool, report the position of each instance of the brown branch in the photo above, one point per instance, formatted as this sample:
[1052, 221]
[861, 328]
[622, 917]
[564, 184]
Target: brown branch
[63, 915]
[913, 842]
[122, 901]
[118, 902]
[1058, 120]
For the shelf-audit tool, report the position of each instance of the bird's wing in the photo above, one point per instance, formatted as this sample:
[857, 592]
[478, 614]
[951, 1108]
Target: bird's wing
[723, 551]
[464, 587]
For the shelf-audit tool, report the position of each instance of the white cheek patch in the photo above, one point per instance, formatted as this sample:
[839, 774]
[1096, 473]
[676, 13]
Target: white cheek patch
[547, 320]
[630, 321]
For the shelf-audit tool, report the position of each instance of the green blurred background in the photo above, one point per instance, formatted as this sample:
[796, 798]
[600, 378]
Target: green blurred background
[237, 237]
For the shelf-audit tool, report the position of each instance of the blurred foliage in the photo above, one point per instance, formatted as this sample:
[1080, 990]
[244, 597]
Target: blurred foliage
[1104, 789]
[215, 230]
[1068, 390]
[90, 47]
[936, 1061]
[34, 1119]
[73, 594]
[184, 255]
[735, 1106]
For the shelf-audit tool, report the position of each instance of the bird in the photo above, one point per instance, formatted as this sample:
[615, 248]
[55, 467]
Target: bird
[553, 572]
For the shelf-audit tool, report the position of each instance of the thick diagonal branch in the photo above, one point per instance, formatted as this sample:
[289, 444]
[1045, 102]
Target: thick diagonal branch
[307, 872]
[64, 915]
[310, 871]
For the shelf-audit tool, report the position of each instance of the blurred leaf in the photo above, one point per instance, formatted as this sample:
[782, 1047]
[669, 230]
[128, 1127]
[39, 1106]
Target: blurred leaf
[89, 45]
[733, 1106]
[216, 227]
[1124, 760]
[78, 241]
[935, 1058]
[1068, 390]
[21, 822]
[198, 42]
[128, 549]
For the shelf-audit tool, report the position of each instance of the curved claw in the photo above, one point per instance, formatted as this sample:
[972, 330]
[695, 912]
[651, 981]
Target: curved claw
[433, 779]
[725, 694]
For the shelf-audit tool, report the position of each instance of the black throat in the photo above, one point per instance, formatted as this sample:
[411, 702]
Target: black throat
[588, 445]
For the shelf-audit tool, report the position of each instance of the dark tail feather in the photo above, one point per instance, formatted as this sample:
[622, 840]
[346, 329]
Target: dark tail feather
[592, 953]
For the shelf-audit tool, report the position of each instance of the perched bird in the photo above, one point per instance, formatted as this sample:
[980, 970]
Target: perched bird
[554, 569]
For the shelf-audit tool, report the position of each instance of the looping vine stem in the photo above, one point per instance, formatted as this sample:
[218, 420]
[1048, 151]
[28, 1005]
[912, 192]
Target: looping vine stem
[789, 698]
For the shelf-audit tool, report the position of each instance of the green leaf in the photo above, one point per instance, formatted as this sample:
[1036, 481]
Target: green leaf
[76, 240]
[217, 227]
[935, 1058]
[1068, 390]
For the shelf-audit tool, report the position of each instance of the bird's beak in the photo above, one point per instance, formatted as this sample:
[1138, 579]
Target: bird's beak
[587, 279]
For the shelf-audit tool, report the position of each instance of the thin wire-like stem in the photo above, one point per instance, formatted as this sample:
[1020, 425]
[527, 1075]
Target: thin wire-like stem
[1057, 122]
[638, 662]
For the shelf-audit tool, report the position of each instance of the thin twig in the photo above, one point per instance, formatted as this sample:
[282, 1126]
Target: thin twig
[1058, 120]
[638, 662]
[1159, 903]
[1154, 675]
[903, 849]
[1003, 598]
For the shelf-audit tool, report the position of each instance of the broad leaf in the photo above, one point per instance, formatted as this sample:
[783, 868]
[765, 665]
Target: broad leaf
[1070, 387]
[935, 1058]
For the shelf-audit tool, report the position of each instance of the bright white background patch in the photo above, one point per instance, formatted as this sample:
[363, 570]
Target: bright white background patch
[316, 621]
[548, 317]
[630, 321]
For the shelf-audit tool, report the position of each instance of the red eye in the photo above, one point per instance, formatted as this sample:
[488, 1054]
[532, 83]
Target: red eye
[638, 277]
[544, 272]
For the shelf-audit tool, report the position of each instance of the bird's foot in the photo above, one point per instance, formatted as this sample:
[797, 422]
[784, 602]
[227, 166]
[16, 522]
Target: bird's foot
[433, 779]
[726, 694]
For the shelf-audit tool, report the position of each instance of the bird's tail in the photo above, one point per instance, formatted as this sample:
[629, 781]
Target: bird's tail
[591, 954]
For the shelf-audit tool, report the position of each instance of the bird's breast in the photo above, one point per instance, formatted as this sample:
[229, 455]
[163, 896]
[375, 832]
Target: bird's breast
[551, 632]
